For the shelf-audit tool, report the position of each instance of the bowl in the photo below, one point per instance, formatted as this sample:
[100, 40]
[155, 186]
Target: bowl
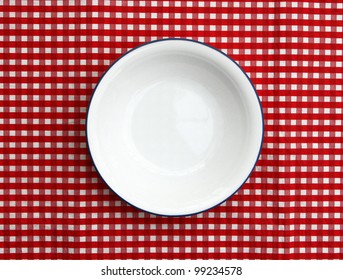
[174, 127]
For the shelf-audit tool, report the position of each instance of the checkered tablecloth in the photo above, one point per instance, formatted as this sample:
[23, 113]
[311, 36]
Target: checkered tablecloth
[53, 204]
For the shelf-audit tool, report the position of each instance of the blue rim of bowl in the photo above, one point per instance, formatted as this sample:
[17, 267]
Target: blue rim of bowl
[211, 47]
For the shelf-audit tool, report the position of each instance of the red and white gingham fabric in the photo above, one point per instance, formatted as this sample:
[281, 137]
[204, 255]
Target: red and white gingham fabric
[53, 205]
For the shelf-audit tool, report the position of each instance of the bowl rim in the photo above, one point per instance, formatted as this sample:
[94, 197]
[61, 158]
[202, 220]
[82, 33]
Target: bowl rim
[191, 41]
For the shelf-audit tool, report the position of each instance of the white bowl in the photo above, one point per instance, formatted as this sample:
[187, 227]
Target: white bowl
[174, 127]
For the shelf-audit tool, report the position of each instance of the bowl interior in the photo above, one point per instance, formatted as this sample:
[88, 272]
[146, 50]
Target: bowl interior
[174, 127]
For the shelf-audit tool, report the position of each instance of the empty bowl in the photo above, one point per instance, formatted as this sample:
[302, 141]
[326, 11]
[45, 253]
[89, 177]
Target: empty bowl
[174, 127]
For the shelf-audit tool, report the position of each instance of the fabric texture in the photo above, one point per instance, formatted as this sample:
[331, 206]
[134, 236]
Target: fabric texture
[53, 204]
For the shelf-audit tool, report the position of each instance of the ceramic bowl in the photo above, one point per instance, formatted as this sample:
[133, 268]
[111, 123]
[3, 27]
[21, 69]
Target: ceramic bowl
[174, 127]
